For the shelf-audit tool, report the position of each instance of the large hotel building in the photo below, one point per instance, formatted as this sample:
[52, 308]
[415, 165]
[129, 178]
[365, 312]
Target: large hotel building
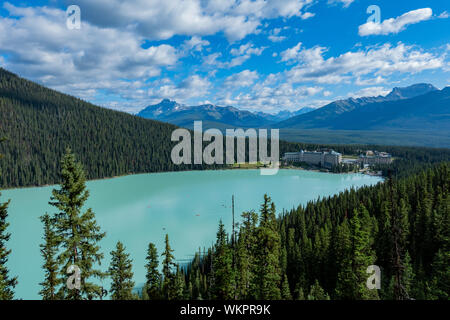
[327, 159]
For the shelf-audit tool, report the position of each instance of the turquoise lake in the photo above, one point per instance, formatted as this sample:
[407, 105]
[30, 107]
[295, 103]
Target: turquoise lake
[139, 209]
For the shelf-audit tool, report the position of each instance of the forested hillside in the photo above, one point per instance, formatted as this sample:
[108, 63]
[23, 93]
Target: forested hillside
[40, 123]
[322, 250]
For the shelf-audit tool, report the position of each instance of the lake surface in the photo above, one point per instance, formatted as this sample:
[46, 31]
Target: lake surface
[139, 209]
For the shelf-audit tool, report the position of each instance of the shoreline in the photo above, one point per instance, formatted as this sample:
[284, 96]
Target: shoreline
[191, 170]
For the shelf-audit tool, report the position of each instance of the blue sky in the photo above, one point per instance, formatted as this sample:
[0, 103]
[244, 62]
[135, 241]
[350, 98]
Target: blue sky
[253, 54]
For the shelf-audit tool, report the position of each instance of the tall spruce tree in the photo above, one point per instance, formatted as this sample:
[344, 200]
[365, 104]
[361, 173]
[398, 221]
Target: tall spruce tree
[363, 254]
[121, 274]
[223, 288]
[180, 284]
[441, 262]
[245, 257]
[49, 250]
[268, 253]
[343, 249]
[169, 278]
[285, 290]
[7, 283]
[356, 254]
[153, 277]
[77, 231]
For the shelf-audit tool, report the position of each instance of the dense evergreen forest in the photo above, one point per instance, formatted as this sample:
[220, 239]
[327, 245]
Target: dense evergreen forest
[39, 124]
[322, 250]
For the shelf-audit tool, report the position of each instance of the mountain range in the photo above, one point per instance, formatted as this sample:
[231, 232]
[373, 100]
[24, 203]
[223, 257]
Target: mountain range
[214, 116]
[417, 107]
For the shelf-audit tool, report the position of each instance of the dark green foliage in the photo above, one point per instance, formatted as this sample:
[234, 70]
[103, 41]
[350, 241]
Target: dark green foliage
[7, 283]
[362, 254]
[121, 274]
[40, 123]
[169, 277]
[245, 256]
[317, 292]
[329, 243]
[268, 273]
[224, 286]
[153, 277]
[77, 231]
[285, 290]
[49, 250]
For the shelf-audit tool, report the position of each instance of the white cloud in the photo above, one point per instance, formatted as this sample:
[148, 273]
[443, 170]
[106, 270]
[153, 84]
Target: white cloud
[156, 19]
[276, 38]
[192, 87]
[240, 55]
[371, 81]
[375, 61]
[345, 3]
[307, 15]
[79, 62]
[291, 53]
[241, 79]
[395, 25]
[270, 95]
[370, 92]
[275, 35]
[195, 44]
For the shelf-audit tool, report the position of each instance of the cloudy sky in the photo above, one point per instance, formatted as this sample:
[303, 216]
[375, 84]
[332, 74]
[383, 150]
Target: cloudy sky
[253, 54]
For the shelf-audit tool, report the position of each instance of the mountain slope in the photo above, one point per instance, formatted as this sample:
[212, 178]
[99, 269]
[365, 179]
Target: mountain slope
[430, 111]
[343, 114]
[284, 114]
[40, 123]
[211, 115]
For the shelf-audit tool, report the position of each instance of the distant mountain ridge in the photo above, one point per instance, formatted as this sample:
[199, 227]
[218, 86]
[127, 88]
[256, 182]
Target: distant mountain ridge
[362, 113]
[213, 116]
[366, 112]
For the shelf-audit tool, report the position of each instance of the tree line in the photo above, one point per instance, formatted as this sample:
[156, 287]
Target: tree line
[317, 251]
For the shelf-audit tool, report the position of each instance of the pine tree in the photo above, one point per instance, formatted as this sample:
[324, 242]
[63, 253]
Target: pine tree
[49, 250]
[268, 253]
[223, 288]
[285, 290]
[343, 249]
[245, 264]
[169, 277]
[180, 284]
[363, 254]
[299, 295]
[355, 250]
[153, 277]
[317, 293]
[78, 232]
[121, 274]
[7, 283]
[441, 262]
